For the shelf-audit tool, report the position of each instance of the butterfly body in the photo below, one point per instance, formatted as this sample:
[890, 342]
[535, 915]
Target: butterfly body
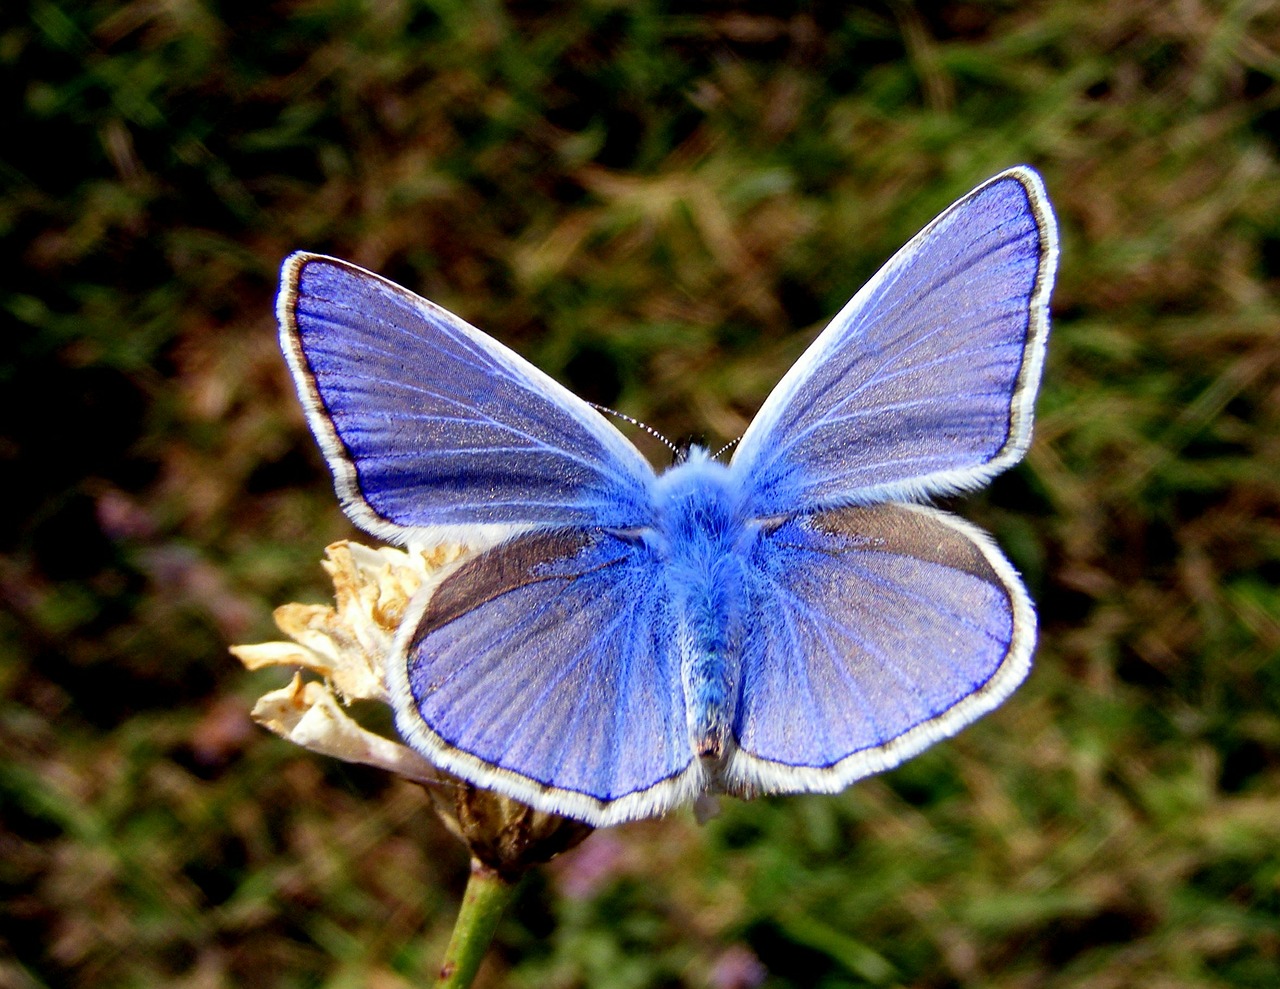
[702, 535]
[623, 640]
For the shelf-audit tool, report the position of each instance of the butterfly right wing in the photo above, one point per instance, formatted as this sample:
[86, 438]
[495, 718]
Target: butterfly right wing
[924, 382]
[547, 669]
[434, 431]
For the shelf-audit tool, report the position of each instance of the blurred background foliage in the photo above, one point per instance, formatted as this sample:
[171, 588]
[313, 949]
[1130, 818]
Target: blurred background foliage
[660, 204]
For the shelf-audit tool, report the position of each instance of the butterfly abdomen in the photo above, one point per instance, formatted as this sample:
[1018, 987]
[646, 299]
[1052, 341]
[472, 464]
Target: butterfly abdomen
[700, 533]
[709, 665]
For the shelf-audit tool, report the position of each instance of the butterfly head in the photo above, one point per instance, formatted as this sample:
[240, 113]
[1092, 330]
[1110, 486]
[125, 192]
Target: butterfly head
[688, 448]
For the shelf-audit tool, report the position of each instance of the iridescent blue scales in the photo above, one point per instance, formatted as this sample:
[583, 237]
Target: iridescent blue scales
[626, 640]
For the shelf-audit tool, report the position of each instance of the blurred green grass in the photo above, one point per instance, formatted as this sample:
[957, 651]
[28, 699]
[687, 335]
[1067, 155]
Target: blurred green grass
[660, 205]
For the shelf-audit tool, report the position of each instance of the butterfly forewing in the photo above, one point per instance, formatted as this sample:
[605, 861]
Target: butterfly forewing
[878, 631]
[434, 430]
[924, 382]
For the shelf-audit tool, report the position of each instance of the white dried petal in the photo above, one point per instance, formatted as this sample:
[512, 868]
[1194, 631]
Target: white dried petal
[264, 654]
[308, 714]
[348, 643]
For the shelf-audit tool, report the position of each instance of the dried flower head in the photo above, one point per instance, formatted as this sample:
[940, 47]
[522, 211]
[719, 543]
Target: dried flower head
[347, 645]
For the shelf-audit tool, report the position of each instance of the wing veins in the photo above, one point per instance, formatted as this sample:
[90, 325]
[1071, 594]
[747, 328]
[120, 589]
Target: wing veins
[827, 420]
[479, 419]
[857, 689]
[870, 649]
[487, 362]
[438, 326]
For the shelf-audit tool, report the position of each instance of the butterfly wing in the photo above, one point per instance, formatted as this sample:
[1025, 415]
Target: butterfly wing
[924, 382]
[546, 668]
[878, 631]
[433, 430]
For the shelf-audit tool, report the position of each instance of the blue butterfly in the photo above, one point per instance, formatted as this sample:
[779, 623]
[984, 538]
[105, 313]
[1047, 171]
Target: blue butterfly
[627, 640]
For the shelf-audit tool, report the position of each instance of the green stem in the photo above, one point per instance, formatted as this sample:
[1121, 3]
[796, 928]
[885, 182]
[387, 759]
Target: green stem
[487, 895]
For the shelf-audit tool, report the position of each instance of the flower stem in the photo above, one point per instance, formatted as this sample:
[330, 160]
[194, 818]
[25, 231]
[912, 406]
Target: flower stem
[487, 895]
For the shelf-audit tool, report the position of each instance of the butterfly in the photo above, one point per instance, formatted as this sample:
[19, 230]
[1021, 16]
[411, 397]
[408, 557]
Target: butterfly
[626, 640]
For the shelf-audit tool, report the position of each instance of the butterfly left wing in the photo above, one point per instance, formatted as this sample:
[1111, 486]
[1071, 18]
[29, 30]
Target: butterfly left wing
[433, 430]
[924, 382]
[877, 631]
[547, 669]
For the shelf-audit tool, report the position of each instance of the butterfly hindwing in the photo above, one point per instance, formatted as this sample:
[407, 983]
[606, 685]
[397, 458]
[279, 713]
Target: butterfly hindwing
[433, 430]
[923, 383]
[547, 668]
[877, 631]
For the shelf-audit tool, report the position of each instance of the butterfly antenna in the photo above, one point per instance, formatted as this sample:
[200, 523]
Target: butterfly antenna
[636, 422]
[731, 443]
